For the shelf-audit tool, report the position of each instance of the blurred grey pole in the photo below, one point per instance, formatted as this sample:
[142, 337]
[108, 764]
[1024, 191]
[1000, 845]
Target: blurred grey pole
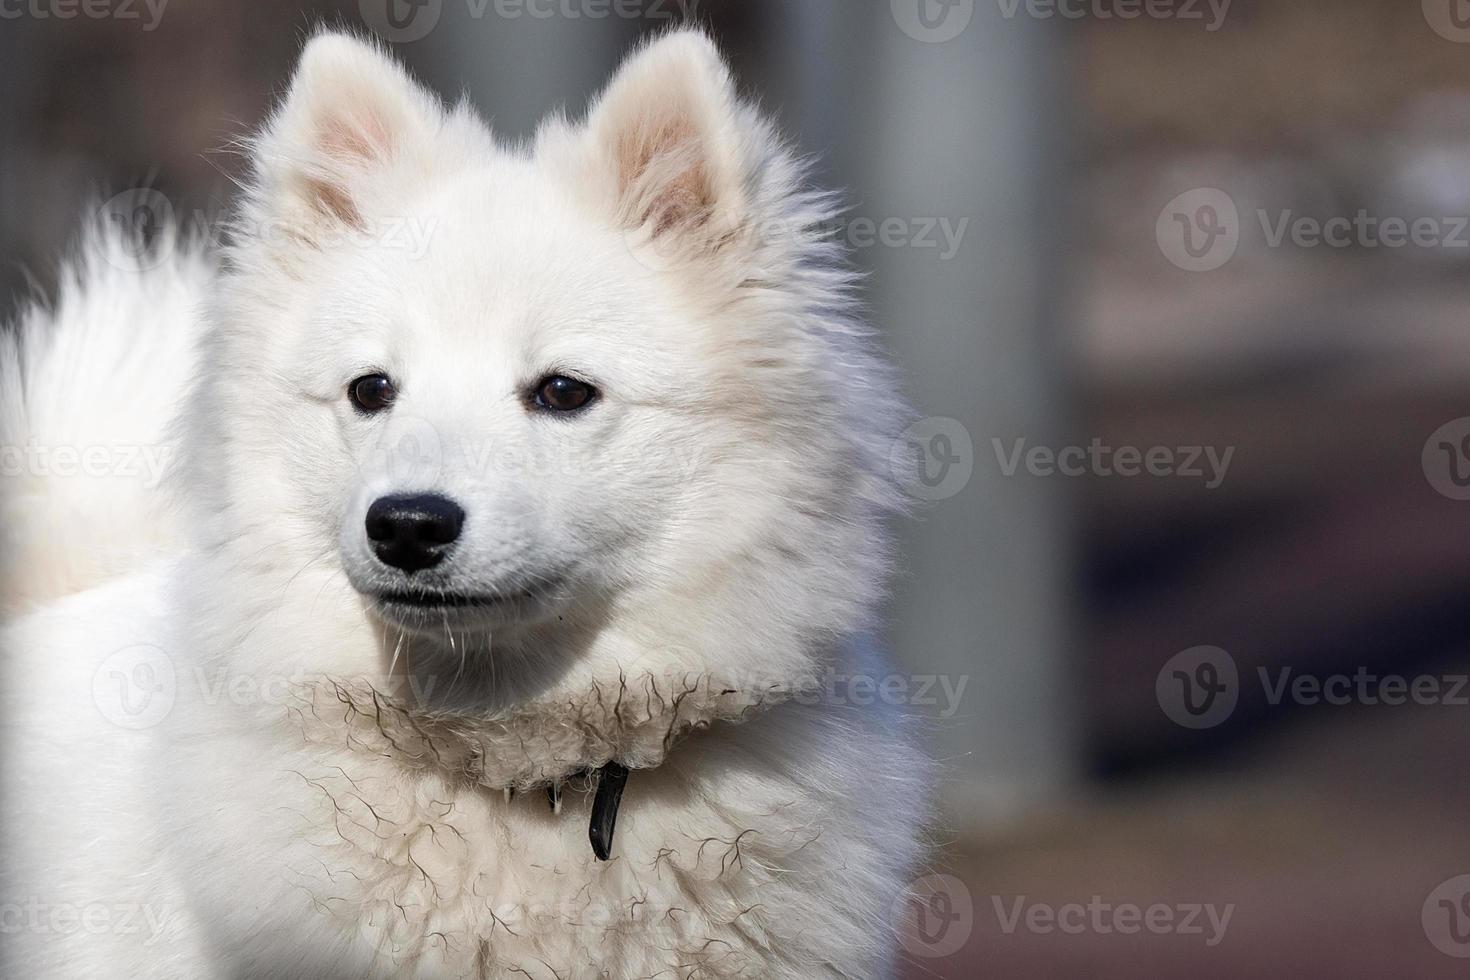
[975, 127]
[948, 109]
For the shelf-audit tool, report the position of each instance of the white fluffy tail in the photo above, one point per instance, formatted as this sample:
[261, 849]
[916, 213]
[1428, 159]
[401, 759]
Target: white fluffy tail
[88, 388]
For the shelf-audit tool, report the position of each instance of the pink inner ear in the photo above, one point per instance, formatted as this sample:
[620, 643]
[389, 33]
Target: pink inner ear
[663, 176]
[348, 141]
[358, 136]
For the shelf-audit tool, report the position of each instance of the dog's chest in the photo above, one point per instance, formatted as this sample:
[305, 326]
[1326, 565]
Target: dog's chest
[433, 880]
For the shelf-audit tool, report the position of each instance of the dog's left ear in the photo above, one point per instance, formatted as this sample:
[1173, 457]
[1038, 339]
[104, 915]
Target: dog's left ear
[674, 153]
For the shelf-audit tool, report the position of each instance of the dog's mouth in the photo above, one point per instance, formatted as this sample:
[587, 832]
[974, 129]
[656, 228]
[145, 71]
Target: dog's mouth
[431, 609]
[450, 600]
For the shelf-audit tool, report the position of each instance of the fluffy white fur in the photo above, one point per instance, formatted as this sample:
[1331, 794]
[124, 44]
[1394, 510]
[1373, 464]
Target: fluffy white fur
[335, 793]
[100, 369]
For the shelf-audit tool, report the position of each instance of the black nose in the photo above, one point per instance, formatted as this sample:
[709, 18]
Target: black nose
[413, 532]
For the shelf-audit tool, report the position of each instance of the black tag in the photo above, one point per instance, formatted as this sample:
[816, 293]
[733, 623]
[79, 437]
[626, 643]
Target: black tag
[611, 779]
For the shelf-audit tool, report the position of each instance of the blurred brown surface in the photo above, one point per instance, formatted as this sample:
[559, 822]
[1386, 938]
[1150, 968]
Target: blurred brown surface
[1326, 550]
[1277, 72]
[1326, 842]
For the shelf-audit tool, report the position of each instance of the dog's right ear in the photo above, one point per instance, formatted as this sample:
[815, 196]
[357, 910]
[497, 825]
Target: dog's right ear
[353, 127]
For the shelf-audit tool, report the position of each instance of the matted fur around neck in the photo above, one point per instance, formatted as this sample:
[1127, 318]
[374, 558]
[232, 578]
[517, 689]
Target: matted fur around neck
[636, 722]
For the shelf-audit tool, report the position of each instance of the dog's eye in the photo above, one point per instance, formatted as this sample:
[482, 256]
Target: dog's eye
[372, 393]
[563, 394]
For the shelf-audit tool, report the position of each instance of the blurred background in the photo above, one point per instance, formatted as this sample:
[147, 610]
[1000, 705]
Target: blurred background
[1180, 288]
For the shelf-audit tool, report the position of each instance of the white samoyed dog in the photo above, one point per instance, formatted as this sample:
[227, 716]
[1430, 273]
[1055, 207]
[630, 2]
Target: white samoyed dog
[496, 611]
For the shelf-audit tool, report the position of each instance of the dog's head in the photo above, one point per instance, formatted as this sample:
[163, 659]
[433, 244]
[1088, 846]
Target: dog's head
[604, 383]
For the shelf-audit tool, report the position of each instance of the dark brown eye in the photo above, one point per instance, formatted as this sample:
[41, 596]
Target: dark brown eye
[563, 394]
[372, 393]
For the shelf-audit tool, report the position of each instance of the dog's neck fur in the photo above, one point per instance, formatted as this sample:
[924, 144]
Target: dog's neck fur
[635, 722]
